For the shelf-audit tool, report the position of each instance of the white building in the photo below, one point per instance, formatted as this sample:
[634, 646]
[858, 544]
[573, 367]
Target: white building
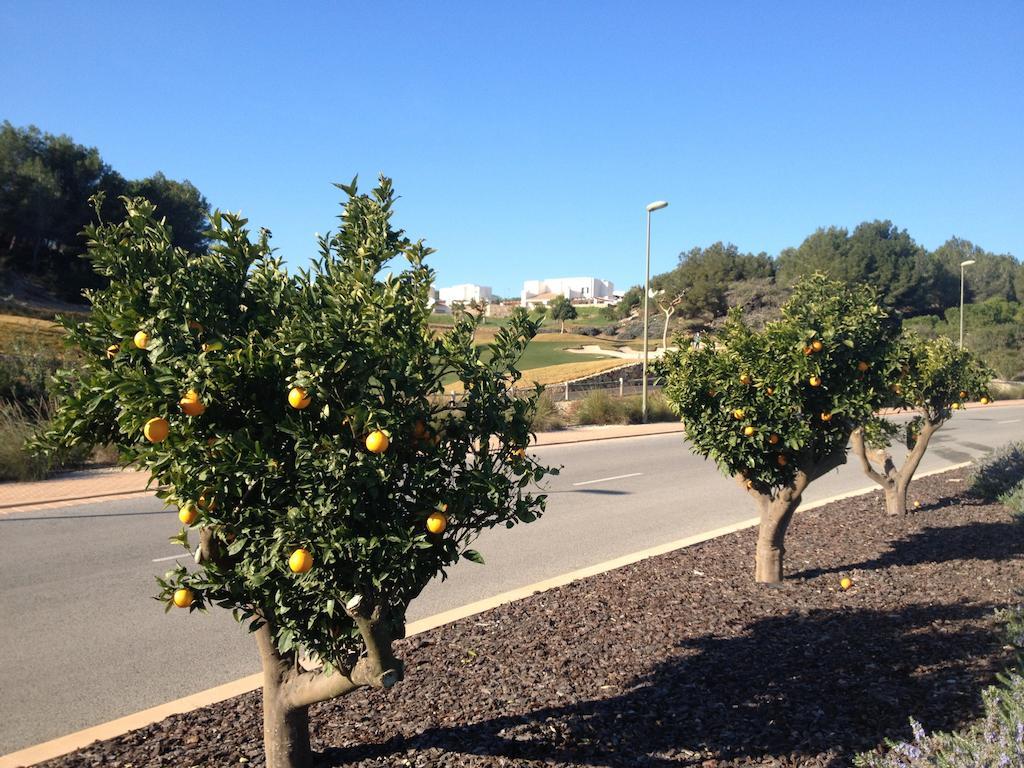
[465, 293]
[581, 290]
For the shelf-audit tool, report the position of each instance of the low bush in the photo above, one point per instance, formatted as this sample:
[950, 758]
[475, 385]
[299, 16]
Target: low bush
[547, 417]
[1014, 499]
[16, 463]
[599, 407]
[1006, 390]
[995, 740]
[999, 472]
[588, 330]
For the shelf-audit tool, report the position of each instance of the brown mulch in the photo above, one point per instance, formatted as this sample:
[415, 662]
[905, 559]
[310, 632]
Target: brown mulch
[680, 659]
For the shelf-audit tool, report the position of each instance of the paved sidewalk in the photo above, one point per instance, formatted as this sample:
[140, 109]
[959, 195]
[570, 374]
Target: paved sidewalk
[100, 485]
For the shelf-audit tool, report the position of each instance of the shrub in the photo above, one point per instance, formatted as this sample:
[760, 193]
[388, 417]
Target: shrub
[547, 417]
[16, 463]
[599, 407]
[1014, 499]
[999, 472]
[588, 330]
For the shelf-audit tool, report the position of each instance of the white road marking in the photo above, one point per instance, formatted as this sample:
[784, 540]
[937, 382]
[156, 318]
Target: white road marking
[172, 557]
[606, 479]
[1011, 421]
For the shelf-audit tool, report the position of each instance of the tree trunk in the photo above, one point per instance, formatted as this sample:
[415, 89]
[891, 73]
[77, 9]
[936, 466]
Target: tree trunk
[664, 332]
[288, 691]
[775, 517]
[896, 499]
[561, 328]
[895, 482]
[285, 732]
[285, 726]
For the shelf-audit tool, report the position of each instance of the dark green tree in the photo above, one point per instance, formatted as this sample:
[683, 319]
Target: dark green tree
[561, 310]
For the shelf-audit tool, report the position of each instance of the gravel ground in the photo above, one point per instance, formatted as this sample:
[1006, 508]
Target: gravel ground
[680, 659]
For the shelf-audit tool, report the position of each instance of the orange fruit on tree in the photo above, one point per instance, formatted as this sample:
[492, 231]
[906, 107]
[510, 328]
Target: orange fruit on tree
[183, 597]
[300, 561]
[962, 394]
[781, 460]
[377, 442]
[298, 398]
[112, 351]
[845, 583]
[769, 390]
[808, 351]
[156, 429]
[207, 502]
[817, 346]
[773, 439]
[984, 401]
[437, 522]
[191, 405]
[749, 431]
[195, 326]
[419, 430]
[141, 340]
[814, 381]
[956, 406]
[863, 366]
[745, 378]
[826, 416]
[520, 452]
[738, 413]
[188, 514]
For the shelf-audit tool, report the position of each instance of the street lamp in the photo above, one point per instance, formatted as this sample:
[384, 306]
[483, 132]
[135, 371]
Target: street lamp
[651, 208]
[962, 265]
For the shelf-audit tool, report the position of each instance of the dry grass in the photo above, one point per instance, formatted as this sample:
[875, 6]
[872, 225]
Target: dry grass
[18, 333]
[556, 374]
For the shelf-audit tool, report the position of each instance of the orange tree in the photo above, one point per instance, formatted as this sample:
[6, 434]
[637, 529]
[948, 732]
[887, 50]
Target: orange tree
[298, 424]
[929, 378]
[775, 408]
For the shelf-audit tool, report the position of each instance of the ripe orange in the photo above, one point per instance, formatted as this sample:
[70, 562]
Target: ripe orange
[814, 381]
[141, 339]
[845, 583]
[956, 406]
[738, 413]
[769, 390]
[826, 416]
[300, 561]
[207, 502]
[521, 453]
[188, 514]
[962, 394]
[194, 326]
[984, 401]
[808, 351]
[191, 405]
[781, 460]
[773, 439]
[745, 378]
[437, 522]
[377, 442]
[749, 431]
[419, 430]
[298, 398]
[712, 392]
[817, 346]
[183, 597]
[156, 430]
[112, 351]
[863, 366]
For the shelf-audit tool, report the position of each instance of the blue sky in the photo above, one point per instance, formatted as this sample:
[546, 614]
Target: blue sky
[525, 138]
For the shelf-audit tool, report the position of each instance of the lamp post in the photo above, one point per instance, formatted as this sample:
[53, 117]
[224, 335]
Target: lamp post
[962, 265]
[651, 207]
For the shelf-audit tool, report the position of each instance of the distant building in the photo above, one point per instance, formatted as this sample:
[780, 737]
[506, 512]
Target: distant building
[579, 290]
[465, 293]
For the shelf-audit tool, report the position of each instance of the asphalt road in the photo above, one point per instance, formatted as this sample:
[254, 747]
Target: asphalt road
[81, 642]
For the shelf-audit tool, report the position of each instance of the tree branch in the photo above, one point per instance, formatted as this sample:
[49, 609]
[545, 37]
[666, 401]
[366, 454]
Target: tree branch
[860, 448]
[376, 668]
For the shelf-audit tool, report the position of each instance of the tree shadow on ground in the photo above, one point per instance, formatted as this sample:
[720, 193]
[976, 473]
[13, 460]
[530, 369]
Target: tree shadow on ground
[973, 541]
[830, 681]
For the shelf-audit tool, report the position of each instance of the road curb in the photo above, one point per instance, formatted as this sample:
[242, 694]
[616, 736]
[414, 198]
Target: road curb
[122, 725]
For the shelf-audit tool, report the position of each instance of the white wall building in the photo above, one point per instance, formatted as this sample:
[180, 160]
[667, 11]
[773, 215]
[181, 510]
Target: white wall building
[465, 293]
[585, 290]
